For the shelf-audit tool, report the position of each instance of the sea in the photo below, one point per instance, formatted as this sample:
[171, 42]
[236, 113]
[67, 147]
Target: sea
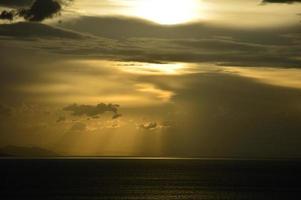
[149, 179]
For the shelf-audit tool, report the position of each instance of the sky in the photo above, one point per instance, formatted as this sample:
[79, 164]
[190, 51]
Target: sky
[179, 78]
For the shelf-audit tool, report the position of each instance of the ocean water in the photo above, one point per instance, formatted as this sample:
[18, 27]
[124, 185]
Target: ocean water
[146, 179]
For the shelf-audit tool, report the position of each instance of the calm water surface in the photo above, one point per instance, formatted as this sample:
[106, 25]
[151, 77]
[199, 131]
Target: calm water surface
[149, 179]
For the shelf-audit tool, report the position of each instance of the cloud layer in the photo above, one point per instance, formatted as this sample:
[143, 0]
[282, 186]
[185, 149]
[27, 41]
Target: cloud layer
[36, 30]
[154, 43]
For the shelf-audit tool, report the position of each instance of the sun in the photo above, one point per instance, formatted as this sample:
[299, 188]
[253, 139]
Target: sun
[168, 12]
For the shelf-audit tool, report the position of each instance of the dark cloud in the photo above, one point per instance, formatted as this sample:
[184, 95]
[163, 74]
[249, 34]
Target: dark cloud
[26, 29]
[7, 15]
[38, 11]
[92, 111]
[281, 1]
[15, 3]
[5, 110]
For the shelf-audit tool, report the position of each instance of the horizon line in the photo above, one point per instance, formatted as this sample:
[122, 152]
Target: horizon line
[149, 158]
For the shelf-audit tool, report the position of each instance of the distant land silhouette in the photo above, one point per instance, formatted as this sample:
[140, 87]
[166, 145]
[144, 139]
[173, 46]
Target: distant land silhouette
[17, 151]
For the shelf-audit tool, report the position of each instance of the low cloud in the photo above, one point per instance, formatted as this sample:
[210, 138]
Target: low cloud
[149, 126]
[37, 12]
[153, 125]
[93, 111]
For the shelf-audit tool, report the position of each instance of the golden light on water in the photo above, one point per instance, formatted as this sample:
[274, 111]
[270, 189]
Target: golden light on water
[168, 12]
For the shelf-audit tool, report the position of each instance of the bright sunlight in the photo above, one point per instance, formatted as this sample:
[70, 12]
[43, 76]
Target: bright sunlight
[168, 12]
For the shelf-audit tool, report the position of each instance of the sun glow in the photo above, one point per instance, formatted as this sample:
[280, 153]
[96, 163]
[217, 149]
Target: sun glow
[168, 11]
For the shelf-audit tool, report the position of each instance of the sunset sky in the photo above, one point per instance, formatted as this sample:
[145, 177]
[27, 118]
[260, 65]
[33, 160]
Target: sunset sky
[186, 78]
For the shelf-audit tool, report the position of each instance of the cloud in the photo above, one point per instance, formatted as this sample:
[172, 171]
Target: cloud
[154, 43]
[78, 127]
[149, 126]
[38, 11]
[7, 15]
[25, 29]
[15, 3]
[116, 116]
[123, 28]
[92, 111]
[143, 41]
[152, 125]
[281, 1]
[61, 119]
[5, 110]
